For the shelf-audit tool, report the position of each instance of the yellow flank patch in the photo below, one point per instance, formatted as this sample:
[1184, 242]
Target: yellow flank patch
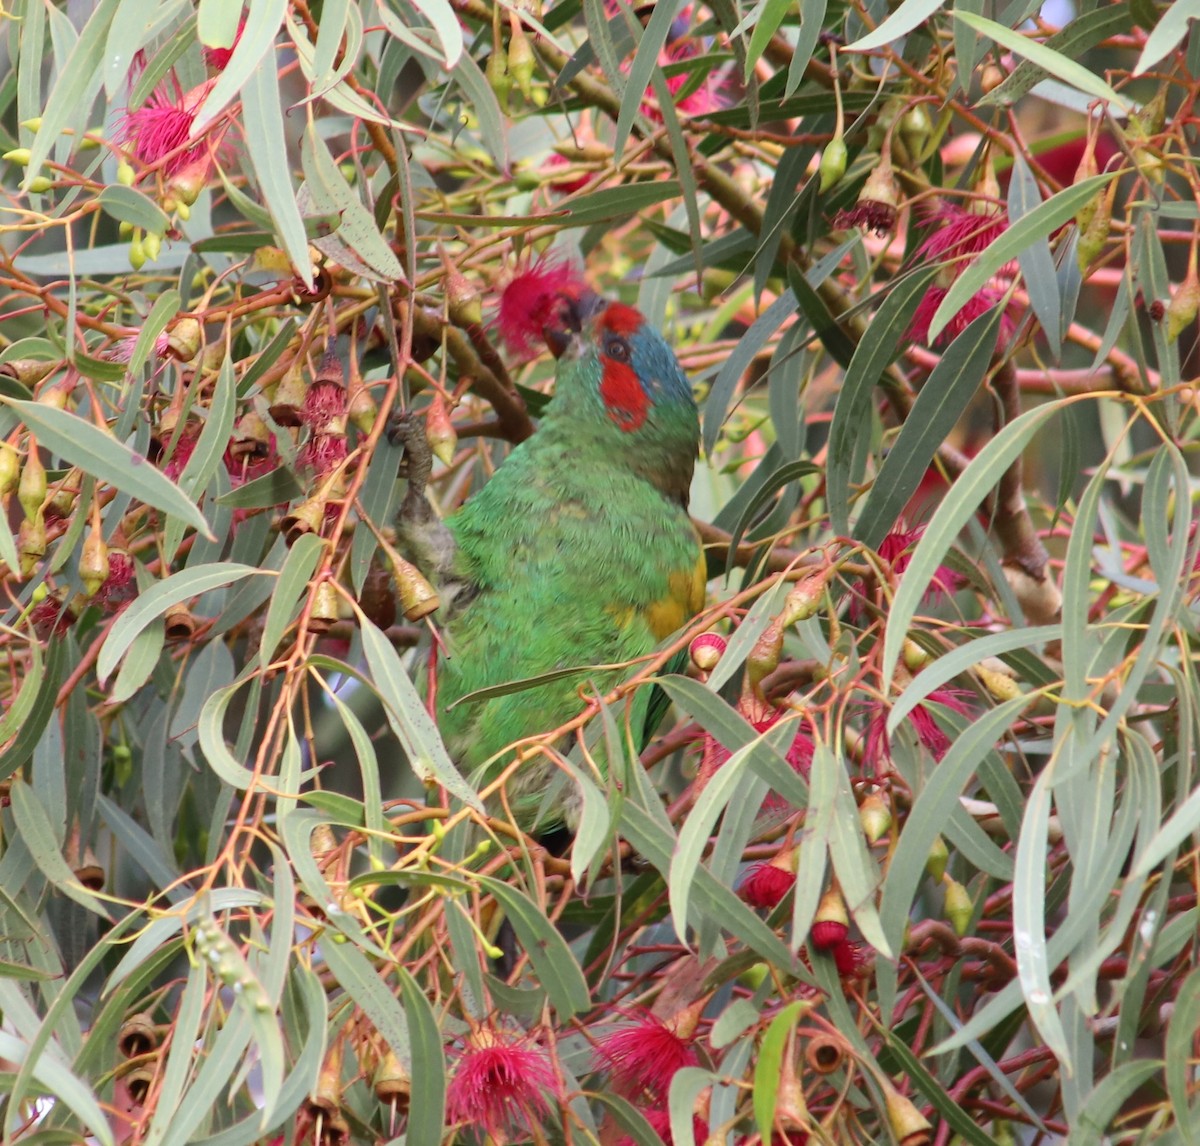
[684, 599]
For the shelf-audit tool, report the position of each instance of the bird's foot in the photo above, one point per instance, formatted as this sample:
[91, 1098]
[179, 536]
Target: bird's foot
[408, 430]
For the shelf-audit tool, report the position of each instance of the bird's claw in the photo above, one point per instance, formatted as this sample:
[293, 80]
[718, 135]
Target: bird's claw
[409, 431]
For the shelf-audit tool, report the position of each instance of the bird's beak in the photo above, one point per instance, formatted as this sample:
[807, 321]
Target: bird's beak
[573, 313]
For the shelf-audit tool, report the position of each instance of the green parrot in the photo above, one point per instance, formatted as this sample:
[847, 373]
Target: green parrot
[578, 551]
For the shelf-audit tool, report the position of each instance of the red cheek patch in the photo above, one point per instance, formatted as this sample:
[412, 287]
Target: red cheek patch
[621, 319]
[624, 398]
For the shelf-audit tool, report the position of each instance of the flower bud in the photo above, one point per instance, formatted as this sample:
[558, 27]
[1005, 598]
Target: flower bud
[152, 246]
[991, 78]
[93, 561]
[520, 57]
[19, 155]
[833, 162]
[497, 76]
[31, 489]
[183, 212]
[10, 468]
[466, 308]
[803, 601]
[831, 924]
[185, 187]
[1184, 305]
[1093, 239]
[915, 131]
[915, 657]
[137, 254]
[39, 184]
[875, 817]
[417, 597]
[1000, 685]
[125, 173]
[935, 862]
[706, 650]
[31, 544]
[439, 430]
[958, 907]
[764, 656]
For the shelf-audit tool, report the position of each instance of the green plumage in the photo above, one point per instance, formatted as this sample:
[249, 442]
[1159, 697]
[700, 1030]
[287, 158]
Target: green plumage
[578, 551]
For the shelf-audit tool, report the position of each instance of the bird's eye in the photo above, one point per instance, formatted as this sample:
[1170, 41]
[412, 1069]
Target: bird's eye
[617, 349]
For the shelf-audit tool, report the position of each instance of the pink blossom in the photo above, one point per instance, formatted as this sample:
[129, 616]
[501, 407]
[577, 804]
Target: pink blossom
[185, 446]
[848, 957]
[643, 1055]
[50, 618]
[531, 300]
[877, 751]
[959, 234]
[765, 884]
[161, 128]
[978, 304]
[502, 1085]
[564, 186]
[897, 550]
[218, 58]
[118, 587]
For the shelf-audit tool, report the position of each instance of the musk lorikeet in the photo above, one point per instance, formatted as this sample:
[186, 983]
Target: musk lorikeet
[577, 552]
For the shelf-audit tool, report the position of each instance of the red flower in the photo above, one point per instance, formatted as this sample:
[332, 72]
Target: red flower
[643, 1055]
[324, 401]
[118, 587]
[51, 618]
[160, 129]
[976, 305]
[322, 454]
[530, 302]
[960, 234]
[896, 549]
[765, 884]
[185, 446]
[564, 186]
[660, 1121]
[877, 751]
[501, 1085]
[218, 58]
[827, 934]
[848, 958]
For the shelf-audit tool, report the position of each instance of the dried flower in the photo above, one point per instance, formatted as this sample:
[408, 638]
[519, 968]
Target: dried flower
[322, 454]
[530, 302]
[877, 204]
[500, 1084]
[643, 1055]
[161, 128]
[765, 884]
[324, 401]
[119, 585]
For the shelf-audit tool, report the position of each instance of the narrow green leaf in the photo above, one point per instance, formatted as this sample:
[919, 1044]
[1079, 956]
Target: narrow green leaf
[60, 1082]
[357, 229]
[79, 78]
[271, 489]
[166, 307]
[263, 20]
[410, 721]
[946, 394]
[768, 1069]
[445, 23]
[1181, 1035]
[293, 583]
[553, 963]
[428, 1065]
[129, 206]
[99, 454]
[1055, 63]
[37, 834]
[852, 410]
[620, 202]
[645, 61]
[899, 23]
[1039, 223]
[156, 600]
[1167, 35]
[1036, 261]
[953, 513]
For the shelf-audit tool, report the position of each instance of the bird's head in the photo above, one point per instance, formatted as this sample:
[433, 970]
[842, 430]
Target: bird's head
[635, 374]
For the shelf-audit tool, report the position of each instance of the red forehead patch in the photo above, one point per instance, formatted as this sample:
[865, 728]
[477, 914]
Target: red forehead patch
[624, 397]
[621, 319]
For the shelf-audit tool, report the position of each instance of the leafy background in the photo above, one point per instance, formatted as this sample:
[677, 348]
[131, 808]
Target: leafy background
[245, 895]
